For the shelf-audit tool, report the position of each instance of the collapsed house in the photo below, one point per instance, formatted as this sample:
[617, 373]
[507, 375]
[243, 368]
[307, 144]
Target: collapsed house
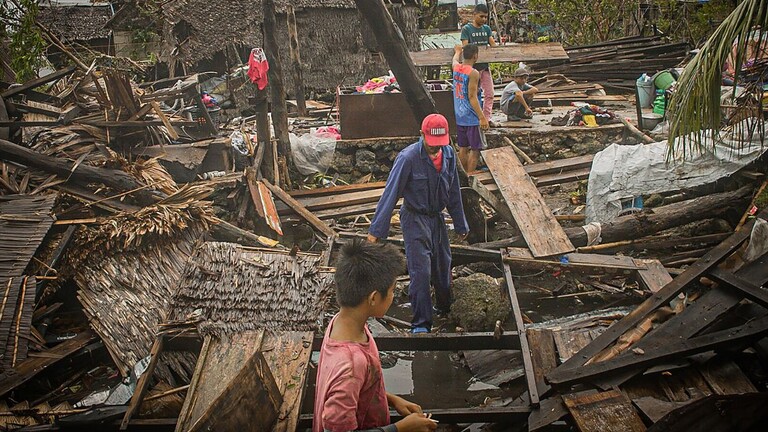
[336, 44]
[153, 277]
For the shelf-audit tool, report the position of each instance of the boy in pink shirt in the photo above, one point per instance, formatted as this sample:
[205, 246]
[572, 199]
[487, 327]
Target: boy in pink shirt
[350, 393]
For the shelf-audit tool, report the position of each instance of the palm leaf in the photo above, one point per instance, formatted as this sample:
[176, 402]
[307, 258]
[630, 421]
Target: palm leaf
[694, 109]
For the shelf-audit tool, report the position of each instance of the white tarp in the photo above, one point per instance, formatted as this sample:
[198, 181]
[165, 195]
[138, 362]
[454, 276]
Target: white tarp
[621, 172]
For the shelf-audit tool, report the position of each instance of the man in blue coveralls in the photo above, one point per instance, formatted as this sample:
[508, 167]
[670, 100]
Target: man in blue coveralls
[425, 176]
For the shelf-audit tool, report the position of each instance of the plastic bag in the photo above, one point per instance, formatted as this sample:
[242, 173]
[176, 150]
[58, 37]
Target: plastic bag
[238, 142]
[313, 152]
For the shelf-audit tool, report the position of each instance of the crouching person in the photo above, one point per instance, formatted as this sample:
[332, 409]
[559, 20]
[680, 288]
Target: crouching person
[517, 96]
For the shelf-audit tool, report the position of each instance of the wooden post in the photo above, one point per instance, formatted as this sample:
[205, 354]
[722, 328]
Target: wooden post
[265, 157]
[392, 45]
[276, 87]
[293, 34]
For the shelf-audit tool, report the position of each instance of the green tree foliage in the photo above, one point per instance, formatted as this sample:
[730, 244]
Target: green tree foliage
[583, 22]
[580, 22]
[695, 108]
[26, 45]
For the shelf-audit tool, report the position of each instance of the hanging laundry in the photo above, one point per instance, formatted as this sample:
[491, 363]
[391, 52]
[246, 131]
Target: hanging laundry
[258, 67]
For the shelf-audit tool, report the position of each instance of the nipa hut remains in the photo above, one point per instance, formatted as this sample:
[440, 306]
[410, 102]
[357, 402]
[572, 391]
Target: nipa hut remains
[336, 45]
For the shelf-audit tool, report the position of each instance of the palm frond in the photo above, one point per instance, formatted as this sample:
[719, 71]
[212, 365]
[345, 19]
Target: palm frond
[694, 110]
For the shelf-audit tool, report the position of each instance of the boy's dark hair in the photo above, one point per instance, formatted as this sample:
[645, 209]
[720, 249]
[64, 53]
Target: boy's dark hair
[469, 51]
[364, 267]
[481, 8]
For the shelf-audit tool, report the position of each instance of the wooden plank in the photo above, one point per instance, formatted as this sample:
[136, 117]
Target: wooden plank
[163, 118]
[336, 190]
[441, 341]
[334, 201]
[530, 376]
[220, 362]
[37, 82]
[497, 205]
[543, 234]
[609, 411]
[662, 297]
[671, 350]
[288, 356]
[569, 342]
[30, 367]
[726, 378]
[250, 401]
[703, 312]
[355, 210]
[143, 384]
[298, 208]
[543, 353]
[590, 261]
[746, 288]
[508, 53]
[654, 276]
[549, 411]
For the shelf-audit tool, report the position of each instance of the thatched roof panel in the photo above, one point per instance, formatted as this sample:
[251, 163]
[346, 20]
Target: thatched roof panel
[76, 22]
[336, 46]
[227, 288]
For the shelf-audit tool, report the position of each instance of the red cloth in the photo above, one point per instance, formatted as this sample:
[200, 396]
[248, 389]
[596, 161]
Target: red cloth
[349, 394]
[438, 160]
[258, 67]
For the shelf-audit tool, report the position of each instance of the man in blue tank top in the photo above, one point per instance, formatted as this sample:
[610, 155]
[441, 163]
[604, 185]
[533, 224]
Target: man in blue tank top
[466, 106]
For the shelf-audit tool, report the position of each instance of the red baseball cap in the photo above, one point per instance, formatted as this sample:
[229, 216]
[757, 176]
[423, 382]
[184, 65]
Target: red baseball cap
[435, 130]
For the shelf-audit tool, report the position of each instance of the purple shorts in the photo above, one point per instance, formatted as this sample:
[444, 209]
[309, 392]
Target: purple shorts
[469, 136]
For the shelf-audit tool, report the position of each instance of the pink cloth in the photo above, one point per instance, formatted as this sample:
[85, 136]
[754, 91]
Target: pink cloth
[258, 68]
[437, 160]
[350, 393]
[486, 83]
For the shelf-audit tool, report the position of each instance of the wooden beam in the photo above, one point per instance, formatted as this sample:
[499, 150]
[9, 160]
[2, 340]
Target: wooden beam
[293, 36]
[37, 82]
[751, 291]
[276, 87]
[301, 210]
[143, 384]
[530, 374]
[671, 350]
[391, 43]
[440, 341]
[542, 233]
[661, 298]
[32, 366]
[500, 54]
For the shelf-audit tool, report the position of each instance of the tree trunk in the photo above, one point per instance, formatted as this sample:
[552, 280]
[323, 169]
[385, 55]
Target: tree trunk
[647, 223]
[293, 33]
[276, 87]
[392, 44]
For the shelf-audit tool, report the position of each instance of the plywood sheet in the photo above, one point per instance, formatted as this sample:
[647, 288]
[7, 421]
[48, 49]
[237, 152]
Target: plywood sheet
[603, 412]
[508, 53]
[543, 234]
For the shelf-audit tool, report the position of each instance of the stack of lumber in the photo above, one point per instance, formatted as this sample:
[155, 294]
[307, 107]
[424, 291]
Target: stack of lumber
[620, 62]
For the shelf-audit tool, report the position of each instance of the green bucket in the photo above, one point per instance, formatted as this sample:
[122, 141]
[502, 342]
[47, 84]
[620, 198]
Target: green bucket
[663, 80]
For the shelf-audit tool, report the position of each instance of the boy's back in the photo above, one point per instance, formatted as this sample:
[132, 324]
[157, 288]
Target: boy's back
[344, 369]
